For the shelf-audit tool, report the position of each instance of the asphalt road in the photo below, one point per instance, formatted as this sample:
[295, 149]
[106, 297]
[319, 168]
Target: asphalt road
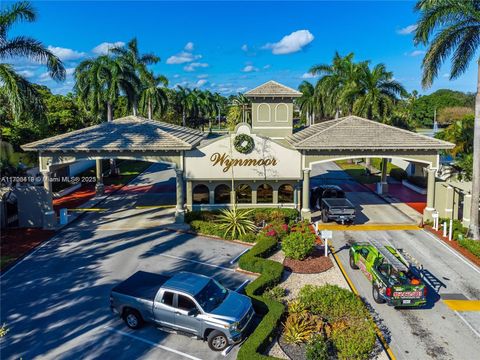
[436, 331]
[370, 208]
[55, 302]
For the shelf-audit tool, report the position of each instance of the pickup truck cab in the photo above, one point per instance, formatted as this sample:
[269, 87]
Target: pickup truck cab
[186, 302]
[393, 280]
[332, 202]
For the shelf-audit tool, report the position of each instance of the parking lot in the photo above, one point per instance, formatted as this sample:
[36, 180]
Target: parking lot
[55, 303]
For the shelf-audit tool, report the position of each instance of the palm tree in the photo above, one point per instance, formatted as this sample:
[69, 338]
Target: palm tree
[453, 27]
[307, 102]
[132, 58]
[336, 79]
[374, 92]
[153, 97]
[185, 102]
[19, 92]
[100, 82]
[242, 102]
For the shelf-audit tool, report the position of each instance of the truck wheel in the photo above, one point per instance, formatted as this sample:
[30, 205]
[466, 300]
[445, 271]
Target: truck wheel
[352, 263]
[133, 319]
[217, 341]
[324, 217]
[376, 295]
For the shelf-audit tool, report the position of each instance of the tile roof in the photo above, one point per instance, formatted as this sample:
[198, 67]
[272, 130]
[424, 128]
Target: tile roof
[127, 133]
[353, 132]
[273, 89]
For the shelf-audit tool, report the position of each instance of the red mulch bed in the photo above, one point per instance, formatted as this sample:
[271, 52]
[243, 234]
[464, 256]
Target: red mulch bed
[315, 263]
[455, 245]
[80, 196]
[15, 243]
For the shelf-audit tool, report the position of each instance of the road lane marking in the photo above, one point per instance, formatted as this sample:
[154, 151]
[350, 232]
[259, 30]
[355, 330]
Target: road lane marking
[467, 323]
[463, 305]
[197, 262]
[380, 336]
[453, 251]
[368, 227]
[151, 343]
[154, 207]
[87, 209]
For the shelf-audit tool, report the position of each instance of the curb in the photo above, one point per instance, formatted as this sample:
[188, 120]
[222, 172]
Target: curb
[380, 337]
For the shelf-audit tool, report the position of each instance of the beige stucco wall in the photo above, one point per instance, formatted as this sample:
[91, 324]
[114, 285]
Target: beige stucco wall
[272, 117]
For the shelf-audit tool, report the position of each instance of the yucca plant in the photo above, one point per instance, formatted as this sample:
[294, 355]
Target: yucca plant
[235, 222]
[296, 306]
[299, 328]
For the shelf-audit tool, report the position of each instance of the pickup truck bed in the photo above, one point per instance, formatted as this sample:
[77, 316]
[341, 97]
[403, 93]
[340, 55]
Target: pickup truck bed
[141, 285]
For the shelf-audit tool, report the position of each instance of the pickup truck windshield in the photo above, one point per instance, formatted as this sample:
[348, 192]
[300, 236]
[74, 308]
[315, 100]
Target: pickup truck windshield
[211, 295]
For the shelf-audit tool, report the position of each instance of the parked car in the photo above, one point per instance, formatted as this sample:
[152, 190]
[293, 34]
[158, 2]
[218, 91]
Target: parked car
[332, 202]
[394, 281]
[185, 302]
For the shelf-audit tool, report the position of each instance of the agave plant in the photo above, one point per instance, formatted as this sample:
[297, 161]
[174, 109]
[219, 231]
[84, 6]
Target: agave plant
[299, 328]
[235, 222]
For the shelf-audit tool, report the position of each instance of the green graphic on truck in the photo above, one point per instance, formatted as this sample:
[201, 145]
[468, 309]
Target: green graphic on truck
[393, 279]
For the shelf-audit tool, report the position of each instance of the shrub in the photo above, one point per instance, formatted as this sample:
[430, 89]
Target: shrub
[283, 215]
[398, 174]
[299, 328]
[471, 245]
[355, 341]
[249, 237]
[319, 348]
[271, 273]
[206, 228]
[298, 246]
[295, 306]
[276, 293]
[419, 181]
[235, 222]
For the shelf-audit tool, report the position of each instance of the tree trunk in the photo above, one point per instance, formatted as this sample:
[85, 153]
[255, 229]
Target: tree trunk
[474, 231]
[150, 109]
[109, 112]
[184, 122]
[113, 165]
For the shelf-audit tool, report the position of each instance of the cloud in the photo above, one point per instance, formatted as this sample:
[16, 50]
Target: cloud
[65, 53]
[416, 53]
[268, 66]
[70, 71]
[188, 46]
[194, 65]
[105, 47]
[244, 47]
[407, 29]
[446, 75]
[291, 43]
[241, 89]
[26, 73]
[182, 58]
[44, 77]
[308, 75]
[249, 68]
[202, 76]
[176, 76]
[201, 82]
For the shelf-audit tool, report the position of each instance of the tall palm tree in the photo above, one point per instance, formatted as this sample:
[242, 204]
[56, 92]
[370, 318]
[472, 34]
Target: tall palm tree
[374, 92]
[100, 82]
[242, 102]
[130, 55]
[453, 28]
[153, 96]
[336, 78]
[307, 102]
[20, 92]
[184, 100]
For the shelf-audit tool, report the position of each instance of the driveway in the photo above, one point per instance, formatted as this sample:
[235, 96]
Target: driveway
[370, 207]
[436, 331]
[56, 302]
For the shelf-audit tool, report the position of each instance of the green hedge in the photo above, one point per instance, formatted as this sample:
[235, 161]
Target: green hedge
[398, 174]
[271, 273]
[471, 245]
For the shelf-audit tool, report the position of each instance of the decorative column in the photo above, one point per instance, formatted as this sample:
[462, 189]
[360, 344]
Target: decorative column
[306, 214]
[180, 211]
[449, 202]
[49, 217]
[275, 196]
[99, 188]
[467, 204]
[383, 179]
[254, 194]
[189, 195]
[211, 198]
[233, 198]
[427, 213]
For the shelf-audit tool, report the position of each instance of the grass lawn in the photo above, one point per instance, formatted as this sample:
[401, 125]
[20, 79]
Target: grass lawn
[357, 172]
[129, 169]
[471, 245]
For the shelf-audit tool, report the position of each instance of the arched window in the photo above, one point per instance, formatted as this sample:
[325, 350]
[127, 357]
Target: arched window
[201, 194]
[263, 113]
[244, 194]
[264, 194]
[285, 194]
[222, 194]
[281, 113]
